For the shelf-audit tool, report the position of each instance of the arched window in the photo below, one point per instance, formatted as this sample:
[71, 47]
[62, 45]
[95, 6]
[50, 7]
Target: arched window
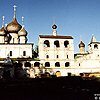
[36, 64]
[67, 64]
[67, 57]
[47, 64]
[47, 56]
[66, 43]
[57, 56]
[95, 46]
[24, 53]
[56, 43]
[46, 43]
[27, 64]
[57, 64]
[10, 53]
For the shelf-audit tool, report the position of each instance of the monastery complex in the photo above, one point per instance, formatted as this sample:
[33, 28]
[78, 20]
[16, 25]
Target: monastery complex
[55, 52]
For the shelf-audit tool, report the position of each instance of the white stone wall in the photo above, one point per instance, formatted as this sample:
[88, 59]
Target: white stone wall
[52, 50]
[17, 50]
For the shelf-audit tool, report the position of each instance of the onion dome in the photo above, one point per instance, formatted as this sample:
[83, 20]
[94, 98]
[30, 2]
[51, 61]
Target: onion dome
[14, 26]
[54, 26]
[2, 31]
[81, 44]
[22, 32]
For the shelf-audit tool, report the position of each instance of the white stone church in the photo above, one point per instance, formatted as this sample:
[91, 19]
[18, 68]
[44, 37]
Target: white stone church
[13, 40]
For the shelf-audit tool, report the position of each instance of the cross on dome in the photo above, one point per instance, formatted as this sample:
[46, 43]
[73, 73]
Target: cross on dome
[14, 10]
[23, 21]
[3, 18]
[14, 7]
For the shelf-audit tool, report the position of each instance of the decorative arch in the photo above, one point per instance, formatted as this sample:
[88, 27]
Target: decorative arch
[36, 64]
[47, 64]
[46, 43]
[56, 43]
[57, 64]
[66, 43]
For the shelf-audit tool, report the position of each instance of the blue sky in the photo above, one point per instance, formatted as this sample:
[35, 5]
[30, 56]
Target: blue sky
[78, 18]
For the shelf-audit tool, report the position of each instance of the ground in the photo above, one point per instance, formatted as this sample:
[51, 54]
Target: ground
[62, 88]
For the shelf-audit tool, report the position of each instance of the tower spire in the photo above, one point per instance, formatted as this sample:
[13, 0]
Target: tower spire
[14, 10]
[80, 38]
[3, 18]
[54, 20]
[93, 39]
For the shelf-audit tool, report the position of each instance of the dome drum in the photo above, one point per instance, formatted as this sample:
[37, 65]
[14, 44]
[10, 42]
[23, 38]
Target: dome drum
[6, 39]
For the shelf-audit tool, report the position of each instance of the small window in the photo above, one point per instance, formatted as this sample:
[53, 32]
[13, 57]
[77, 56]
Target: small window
[57, 56]
[79, 64]
[57, 64]
[67, 64]
[56, 43]
[10, 53]
[24, 53]
[47, 56]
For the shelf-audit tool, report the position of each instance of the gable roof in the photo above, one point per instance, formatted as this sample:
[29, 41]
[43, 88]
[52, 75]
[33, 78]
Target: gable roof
[56, 37]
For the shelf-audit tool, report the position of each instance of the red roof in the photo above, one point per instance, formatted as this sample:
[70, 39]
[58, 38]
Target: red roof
[56, 37]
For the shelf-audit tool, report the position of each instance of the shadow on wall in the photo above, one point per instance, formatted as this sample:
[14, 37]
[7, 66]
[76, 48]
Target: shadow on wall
[13, 71]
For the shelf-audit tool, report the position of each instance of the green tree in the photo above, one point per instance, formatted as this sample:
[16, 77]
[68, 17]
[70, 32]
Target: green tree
[35, 52]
